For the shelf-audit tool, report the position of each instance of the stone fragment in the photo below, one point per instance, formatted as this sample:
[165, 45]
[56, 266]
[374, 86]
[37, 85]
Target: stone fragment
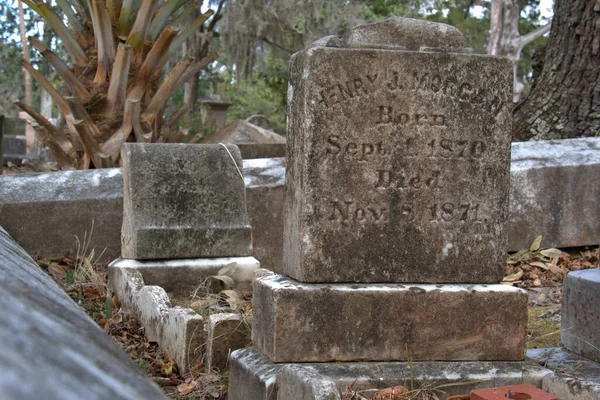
[296, 322]
[407, 34]
[253, 376]
[178, 331]
[226, 333]
[554, 192]
[580, 324]
[51, 349]
[183, 276]
[252, 140]
[183, 201]
[402, 157]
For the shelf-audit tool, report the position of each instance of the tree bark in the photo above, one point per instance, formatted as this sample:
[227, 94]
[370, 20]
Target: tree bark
[565, 101]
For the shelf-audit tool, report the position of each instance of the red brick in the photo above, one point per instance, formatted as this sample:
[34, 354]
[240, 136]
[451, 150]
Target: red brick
[517, 392]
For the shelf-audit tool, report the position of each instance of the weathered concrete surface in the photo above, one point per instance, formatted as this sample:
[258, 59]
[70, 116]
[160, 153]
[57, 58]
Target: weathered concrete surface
[252, 140]
[46, 212]
[296, 322]
[265, 198]
[179, 331]
[575, 377]
[554, 192]
[252, 373]
[580, 324]
[50, 348]
[226, 333]
[385, 144]
[183, 201]
[181, 277]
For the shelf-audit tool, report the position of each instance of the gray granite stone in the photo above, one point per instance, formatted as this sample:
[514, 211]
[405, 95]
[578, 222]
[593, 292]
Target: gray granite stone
[296, 322]
[580, 324]
[253, 376]
[398, 165]
[554, 192]
[50, 348]
[183, 201]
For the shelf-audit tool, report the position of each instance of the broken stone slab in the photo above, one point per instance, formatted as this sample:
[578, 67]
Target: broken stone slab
[50, 348]
[181, 277]
[574, 378]
[250, 372]
[183, 201]
[178, 331]
[410, 34]
[580, 323]
[226, 332]
[298, 322]
[554, 191]
[252, 140]
[413, 146]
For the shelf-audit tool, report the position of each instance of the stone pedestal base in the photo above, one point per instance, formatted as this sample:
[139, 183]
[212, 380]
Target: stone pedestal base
[297, 322]
[253, 376]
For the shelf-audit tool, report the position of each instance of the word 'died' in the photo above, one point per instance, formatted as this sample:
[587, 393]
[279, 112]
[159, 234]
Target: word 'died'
[387, 179]
[387, 115]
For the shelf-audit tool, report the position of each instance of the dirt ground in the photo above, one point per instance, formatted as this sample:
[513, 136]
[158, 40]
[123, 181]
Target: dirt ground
[539, 271]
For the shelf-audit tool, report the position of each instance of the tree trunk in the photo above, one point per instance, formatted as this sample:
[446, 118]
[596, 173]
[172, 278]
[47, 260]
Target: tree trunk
[505, 39]
[30, 136]
[190, 89]
[565, 101]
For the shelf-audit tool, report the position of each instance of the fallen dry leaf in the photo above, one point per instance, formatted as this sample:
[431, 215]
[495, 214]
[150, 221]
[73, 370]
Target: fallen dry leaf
[186, 388]
[513, 277]
[393, 393]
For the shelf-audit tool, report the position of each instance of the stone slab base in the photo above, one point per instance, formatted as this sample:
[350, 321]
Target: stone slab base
[580, 324]
[182, 277]
[296, 322]
[253, 376]
[574, 378]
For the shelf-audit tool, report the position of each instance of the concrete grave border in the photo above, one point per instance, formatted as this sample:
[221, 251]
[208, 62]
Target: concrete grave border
[177, 330]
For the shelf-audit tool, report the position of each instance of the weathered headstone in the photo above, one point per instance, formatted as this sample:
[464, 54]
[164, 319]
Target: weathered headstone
[183, 201]
[398, 172]
[398, 160]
